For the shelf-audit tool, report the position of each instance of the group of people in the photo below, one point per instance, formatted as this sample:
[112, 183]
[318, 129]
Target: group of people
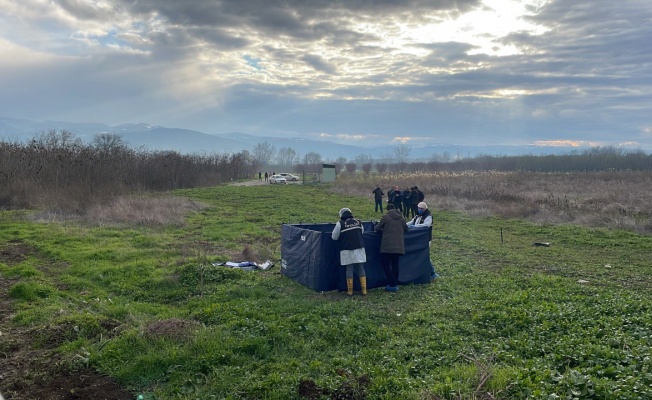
[406, 200]
[392, 226]
[267, 175]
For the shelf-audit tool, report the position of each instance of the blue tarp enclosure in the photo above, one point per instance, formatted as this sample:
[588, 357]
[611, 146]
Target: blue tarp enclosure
[311, 257]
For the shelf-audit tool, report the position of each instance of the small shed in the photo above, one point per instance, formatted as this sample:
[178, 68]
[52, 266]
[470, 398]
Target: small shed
[328, 173]
[311, 257]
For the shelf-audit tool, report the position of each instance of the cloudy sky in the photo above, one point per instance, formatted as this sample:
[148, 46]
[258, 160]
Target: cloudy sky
[362, 72]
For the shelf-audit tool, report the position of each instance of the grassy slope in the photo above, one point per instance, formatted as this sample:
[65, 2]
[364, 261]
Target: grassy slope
[508, 309]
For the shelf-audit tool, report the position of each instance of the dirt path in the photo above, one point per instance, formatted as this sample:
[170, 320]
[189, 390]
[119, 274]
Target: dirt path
[256, 182]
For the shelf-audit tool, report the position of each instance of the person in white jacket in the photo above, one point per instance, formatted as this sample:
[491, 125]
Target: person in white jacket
[423, 219]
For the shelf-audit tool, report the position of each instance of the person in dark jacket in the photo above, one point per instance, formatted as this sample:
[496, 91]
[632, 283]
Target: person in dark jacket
[348, 232]
[392, 226]
[397, 199]
[407, 206]
[416, 198]
[378, 197]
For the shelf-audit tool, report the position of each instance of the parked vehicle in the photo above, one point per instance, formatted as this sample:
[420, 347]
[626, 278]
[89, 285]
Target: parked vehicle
[277, 179]
[289, 177]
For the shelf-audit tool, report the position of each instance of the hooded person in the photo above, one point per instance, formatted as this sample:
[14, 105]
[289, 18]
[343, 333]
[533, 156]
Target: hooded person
[423, 219]
[392, 226]
[348, 232]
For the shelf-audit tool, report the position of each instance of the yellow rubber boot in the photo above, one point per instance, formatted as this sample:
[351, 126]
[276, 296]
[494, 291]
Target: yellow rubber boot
[349, 286]
[363, 285]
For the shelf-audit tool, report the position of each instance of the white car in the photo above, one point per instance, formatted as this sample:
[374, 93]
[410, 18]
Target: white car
[289, 177]
[277, 179]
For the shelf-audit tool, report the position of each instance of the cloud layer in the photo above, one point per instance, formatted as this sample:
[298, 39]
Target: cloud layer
[363, 72]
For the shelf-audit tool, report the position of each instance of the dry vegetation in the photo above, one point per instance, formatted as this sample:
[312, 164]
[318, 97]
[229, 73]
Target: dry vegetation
[152, 210]
[59, 172]
[611, 199]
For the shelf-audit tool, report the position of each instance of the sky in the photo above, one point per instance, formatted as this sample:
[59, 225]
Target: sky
[361, 72]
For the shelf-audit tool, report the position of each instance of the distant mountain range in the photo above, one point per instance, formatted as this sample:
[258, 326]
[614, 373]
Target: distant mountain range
[187, 141]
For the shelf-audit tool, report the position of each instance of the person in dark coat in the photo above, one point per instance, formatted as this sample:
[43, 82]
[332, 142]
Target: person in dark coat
[415, 198]
[378, 197]
[407, 206]
[392, 226]
[397, 199]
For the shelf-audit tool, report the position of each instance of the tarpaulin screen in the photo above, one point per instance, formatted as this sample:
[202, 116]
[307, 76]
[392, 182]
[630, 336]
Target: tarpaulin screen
[311, 257]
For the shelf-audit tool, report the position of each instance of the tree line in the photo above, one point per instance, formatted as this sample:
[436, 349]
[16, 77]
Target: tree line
[592, 159]
[58, 170]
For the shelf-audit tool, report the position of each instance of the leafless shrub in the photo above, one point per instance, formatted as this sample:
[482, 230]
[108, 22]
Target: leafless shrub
[57, 171]
[381, 167]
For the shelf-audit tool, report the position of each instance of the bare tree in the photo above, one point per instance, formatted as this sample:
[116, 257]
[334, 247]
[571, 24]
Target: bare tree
[362, 159]
[381, 167]
[339, 163]
[57, 140]
[311, 162]
[351, 167]
[366, 168]
[312, 158]
[444, 157]
[264, 152]
[108, 142]
[286, 156]
[402, 153]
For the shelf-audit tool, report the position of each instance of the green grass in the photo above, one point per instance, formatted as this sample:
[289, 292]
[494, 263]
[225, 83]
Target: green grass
[573, 320]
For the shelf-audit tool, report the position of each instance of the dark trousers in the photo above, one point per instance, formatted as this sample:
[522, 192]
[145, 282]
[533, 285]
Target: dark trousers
[399, 206]
[379, 203]
[389, 262]
[415, 209]
[406, 209]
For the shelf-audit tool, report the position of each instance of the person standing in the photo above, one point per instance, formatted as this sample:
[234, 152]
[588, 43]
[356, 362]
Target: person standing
[424, 220]
[392, 226]
[260, 176]
[407, 206]
[378, 197]
[414, 200]
[266, 176]
[397, 199]
[348, 232]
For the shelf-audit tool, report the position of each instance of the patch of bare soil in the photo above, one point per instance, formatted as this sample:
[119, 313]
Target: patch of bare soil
[173, 328]
[352, 388]
[30, 371]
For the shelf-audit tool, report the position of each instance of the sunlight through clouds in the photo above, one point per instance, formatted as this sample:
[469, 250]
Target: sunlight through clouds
[480, 28]
[466, 71]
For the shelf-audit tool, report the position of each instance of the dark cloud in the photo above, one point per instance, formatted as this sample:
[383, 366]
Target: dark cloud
[319, 64]
[86, 11]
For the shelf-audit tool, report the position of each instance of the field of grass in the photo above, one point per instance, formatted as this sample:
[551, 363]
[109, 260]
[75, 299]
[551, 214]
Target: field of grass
[133, 309]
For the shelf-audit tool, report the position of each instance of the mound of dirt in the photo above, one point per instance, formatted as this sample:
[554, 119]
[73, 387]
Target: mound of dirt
[352, 388]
